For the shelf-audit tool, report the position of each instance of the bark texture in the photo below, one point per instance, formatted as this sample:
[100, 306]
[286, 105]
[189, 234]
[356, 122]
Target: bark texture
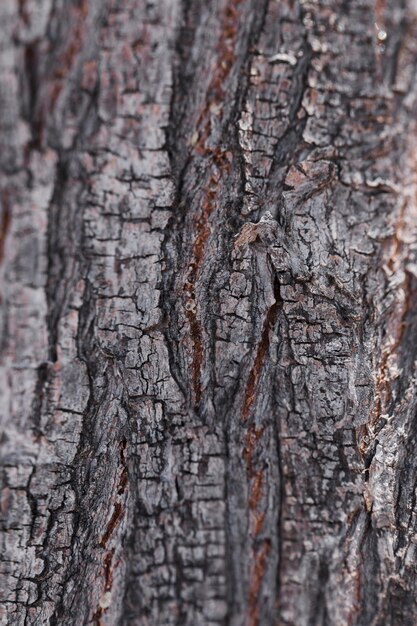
[208, 237]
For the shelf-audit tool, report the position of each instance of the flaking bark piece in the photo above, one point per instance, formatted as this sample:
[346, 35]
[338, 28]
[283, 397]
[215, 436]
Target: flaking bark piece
[265, 231]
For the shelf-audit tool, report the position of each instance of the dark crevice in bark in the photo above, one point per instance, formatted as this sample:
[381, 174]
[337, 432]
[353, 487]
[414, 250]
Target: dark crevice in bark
[173, 239]
[32, 78]
[262, 351]
[174, 243]
[39, 397]
[65, 226]
[370, 572]
[56, 259]
[260, 10]
[257, 477]
[319, 611]
[280, 414]
[6, 218]
[291, 143]
[183, 77]
[85, 343]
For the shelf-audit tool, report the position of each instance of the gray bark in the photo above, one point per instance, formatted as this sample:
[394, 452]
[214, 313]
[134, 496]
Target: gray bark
[208, 411]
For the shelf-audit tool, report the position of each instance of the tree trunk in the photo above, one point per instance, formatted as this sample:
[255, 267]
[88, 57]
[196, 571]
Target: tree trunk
[208, 312]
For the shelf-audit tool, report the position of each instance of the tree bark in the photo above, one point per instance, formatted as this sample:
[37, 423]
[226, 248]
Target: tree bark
[208, 312]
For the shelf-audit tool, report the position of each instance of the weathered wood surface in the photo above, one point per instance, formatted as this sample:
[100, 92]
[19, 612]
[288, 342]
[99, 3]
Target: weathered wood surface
[208, 421]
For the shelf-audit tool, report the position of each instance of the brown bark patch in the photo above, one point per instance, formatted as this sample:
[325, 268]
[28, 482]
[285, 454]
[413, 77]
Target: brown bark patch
[124, 476]
[262, 351]
[226, 60]
[113, 523]
[220, 168]
[222, 161]
[257, 576]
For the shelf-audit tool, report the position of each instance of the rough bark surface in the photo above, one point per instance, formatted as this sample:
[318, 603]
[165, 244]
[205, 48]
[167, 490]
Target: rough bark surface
[208, 410]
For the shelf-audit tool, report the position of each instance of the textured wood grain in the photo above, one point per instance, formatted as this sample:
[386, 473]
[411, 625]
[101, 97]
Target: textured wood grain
[208, 239]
